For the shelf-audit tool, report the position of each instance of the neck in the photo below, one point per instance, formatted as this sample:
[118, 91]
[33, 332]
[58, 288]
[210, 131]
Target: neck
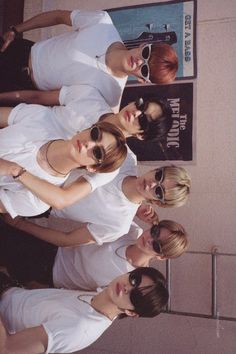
[130, 191]
[103, 304]
[113, 118]
[136, 257]
[114, 56]
[53, 157]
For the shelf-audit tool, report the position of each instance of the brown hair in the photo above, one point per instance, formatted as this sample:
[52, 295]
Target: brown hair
[115, 154]
[176, 243]
[163, 63]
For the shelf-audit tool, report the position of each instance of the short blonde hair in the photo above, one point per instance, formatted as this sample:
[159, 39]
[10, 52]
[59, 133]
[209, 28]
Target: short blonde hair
[176, 243]
[177, 195]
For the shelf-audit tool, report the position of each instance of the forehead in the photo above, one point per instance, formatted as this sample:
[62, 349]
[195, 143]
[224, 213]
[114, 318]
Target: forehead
[146, 281]
[153, 110]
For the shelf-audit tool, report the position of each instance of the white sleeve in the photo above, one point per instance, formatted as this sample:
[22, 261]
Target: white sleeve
[81, 19]
[104, 233]
[99, 179]
[22, 202]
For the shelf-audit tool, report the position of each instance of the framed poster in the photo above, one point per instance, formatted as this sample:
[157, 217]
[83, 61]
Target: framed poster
[171, 22]
[178, 145]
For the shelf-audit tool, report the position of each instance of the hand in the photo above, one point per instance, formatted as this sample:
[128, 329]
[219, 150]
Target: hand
[147, 214]
[8, 37]
[16, 222]
[9, 168]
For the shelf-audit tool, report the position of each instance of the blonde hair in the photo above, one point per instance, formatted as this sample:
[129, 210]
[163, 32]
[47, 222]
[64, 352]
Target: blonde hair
[115, 154]
[175, 196]
[176, 243]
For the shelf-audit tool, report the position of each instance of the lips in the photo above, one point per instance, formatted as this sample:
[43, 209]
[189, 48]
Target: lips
[118, 289]
[79, 145]
[127, 116]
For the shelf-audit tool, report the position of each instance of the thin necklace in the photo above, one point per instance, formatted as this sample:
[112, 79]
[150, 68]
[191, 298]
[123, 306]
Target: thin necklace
[46, 157]
[79, 297]
[117, 252]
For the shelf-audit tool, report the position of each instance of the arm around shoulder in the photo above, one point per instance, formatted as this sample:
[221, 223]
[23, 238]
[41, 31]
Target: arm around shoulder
[29, 341]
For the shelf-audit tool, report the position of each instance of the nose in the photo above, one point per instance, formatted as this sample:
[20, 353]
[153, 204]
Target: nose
[151, 184]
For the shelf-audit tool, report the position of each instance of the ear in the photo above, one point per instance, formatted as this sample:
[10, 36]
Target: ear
[160, 258]
[91, 169]
[141, 80]
[131, 313]
[139, 137]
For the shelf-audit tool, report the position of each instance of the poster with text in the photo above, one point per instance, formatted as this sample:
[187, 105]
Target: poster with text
[178, 145]
[171, 22]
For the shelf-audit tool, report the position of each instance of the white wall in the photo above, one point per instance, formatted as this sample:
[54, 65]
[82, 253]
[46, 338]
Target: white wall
[209, 216]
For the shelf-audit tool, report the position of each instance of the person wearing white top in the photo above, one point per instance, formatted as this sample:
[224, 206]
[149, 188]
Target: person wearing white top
[90, 266]
[27, 144]
[64, 321]
[92, 54]
[144, 119]
[110, 209]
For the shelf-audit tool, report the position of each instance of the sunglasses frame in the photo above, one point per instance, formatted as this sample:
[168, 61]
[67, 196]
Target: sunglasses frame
[146, 78]
[162, 200]
[155, 234]
[136, 277]
[95, 148]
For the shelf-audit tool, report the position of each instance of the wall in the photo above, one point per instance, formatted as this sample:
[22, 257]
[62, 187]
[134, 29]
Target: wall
[209, 216]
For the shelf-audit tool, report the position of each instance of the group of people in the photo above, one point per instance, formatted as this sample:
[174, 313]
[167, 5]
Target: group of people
[63, 154]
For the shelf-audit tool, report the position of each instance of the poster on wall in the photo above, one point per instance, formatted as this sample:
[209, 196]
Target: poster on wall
[178, 145]
[171, 22]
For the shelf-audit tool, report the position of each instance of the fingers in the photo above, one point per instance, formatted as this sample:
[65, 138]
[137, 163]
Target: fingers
[8, 37]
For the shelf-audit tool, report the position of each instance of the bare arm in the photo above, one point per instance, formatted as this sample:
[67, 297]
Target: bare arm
[47, 98]
[4, 114]
[58, 238]
[56, 197]
[29, 341]
[44, 19]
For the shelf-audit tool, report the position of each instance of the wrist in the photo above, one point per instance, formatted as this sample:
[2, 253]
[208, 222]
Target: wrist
[22, 171]
[14, 30]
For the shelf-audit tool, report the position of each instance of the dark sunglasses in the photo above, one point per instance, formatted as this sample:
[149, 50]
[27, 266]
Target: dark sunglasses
[145, 54]
[98, 151]
[135, 279]
[142, 118]
[159, 191]
[155, 233]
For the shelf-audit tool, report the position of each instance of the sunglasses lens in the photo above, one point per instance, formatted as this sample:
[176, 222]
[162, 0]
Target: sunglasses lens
[95, 133]
[143, 121]
[98, 153]
[157, 247]
[145, 71]
[159, 193]
[135, 279]
[146, 52]
[159, 175]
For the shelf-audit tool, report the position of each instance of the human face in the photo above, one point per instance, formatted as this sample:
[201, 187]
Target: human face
[120, 288]
[89, 146]
[149, 243]
[153, 185]
[136, 116]
[137, 62]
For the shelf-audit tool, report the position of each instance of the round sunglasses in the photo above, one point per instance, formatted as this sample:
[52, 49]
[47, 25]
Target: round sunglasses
[142, 118]
[135, 279]
[155, 233]
[97, 151]
[159, 191]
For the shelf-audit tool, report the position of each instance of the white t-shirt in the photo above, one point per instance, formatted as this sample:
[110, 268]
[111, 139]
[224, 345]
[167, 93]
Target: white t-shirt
[107, 211]
[20, 142]
[91, 266]
[70, 323]
[78, 56]
[81, 107]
